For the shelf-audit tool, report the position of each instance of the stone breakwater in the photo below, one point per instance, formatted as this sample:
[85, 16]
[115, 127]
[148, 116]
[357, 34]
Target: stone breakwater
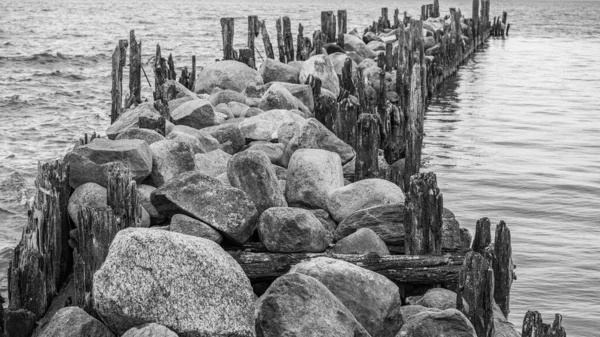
[283, 201]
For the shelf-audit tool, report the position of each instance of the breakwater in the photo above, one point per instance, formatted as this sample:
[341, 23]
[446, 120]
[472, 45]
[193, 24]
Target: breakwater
[328, 114]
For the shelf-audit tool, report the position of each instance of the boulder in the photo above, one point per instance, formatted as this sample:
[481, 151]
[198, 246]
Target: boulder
[292, 230]
[228, 74]
[286, 132]
[280, 172]
[367, 63]
[320, 66]
[74, 322]
[303, 92]
[372, 298]
[224, 109]
[91, 162]
[369, 37]
[274, 151]
[144, 192]
[229, 136]
[387, 221]
[296, 305]
[296, 64]
[314, 135]
[226, 209]
[212, 163]
[265, 125]
[438, 298]
[253, 111]
[333, 48]
[178, 90]
[149, 136]
[353, 43]
[207, 141]
[149, 330]
[238, 109]
[338, 60]
[355, 57]
[189, 226]
[373, 75]
[198, 113]
[275, 71]
[89, 195]
[325, 219]
[252, 172]
[363, 241]
[187, 284]
[192, 141]
[312, 175]
[227, 96]
[452, 237]
[362, 194]
[129, 119]
[255, 90]
[170, 158]
[448, 323]
[376, 46]
[174, 103]
[278, 97]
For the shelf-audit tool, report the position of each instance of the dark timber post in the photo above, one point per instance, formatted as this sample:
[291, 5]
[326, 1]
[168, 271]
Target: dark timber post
[135, 74]
[280, 43]
[533, 326]
[423, 210]
[342, 27]
[171, 75]
[384, 18]
[227, 31]
[300, 44]
[503, 267]
[367, 147]
[266, 40]
[288, 39]
[436, 8]
[414, 134]
[118, 62]
[328, 26]
[483, 236]
[396, 18]
[252, 34]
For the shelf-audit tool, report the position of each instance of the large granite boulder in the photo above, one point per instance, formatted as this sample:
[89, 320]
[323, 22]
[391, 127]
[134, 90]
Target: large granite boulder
[292, 230]
[226, 209]
[429, 323]
[387, 221]
[74, 322]
[149, 330]
[177, 89]
[252, 172]
[149, 136]
[320, 66]
[91, 162]
[362, 194]
[228, 74]
[187, 284]
[338, 60]
[265, 125]
[144, 192]
[275, 71]
[312, 175]
[129, 119]
[438, 298]
[361, 242]
[89, 195]
[371, 298]
[198, 113]
[274, 151]
[296, 305]
[302, 92]
[230, 137]
[194, 143]
[170, 158]
[354, 43]
[227, 96]
[174, 103]
[207, 141]
[212, 163]
[278, 97]
[189, 226]
[314, 135]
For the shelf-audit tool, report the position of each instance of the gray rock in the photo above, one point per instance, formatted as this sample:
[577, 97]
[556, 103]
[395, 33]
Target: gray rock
[238, 109]
[144, 192]
[91, 162]
[363, 241]
[362, 194]
[224, 109]
[230, 137]
[355, 44]
[296, 64]
[129, 119]
[175, 103]
[438, 298]
[189, 226]
[280, 172]
[297, 305]
[292, 230]
[312, 175]
[179, 89]
[74, 322]
[226, 209]
[254, 91]
[355, 57]
[149, 136]
[367, 63]
[275, 71]
[286, 132]
[372, 298]
[226, 96]
[274, 151]
[207, 141]
[187, 284]
[252, 172]
[387, 221]
[338, 60]
[212, 163]
[278, 97]
[223, 178]
[314, 135]
[89, 195]
[149, 330]
[265, 125]
[228, 74]
[302, 92]
[376, 46]
[198, 113]
[320, 66]
[452, 239]
[192, 141]
[253, 111]
[325, 219]
[449, 323]
[170, 158]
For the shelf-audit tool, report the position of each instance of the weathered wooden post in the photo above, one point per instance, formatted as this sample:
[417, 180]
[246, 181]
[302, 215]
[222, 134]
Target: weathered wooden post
[414, 131]
[171, 75]
[342, 27]
[533, 326]
[118, 62]
[423, 12]
[328, 26]
[135, 74]
[192, 78]
[423, 208]
[367, 147]
[227, 32]
[266, 40]
[436, 8]
[245, 56]
[318, 42]
[503, 27]
[280, 43]
[384, 18]
[503, 267]
[396, 18]
[253, 29]
[347, 123]
[347, 83]
[326, 110]
[483, 236]
[160, 73]
[288, 39]
[300, 44]
[389, 56]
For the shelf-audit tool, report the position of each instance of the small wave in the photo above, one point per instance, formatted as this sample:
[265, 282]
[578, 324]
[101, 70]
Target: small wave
[44, 58]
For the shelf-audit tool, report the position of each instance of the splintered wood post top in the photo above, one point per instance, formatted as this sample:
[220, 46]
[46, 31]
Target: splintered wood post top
[503, 267]
[367, 146]
[423, 210]
[476, 287]
[227, 32]
[483, 236]
[266, 40]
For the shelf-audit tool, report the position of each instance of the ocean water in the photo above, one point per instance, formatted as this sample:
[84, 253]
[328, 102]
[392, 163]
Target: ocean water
[515, 136]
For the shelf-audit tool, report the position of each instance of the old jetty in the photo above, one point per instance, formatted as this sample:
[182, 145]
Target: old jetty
[280, 201]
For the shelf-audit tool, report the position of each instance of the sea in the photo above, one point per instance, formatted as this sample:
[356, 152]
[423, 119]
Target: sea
[514, 136]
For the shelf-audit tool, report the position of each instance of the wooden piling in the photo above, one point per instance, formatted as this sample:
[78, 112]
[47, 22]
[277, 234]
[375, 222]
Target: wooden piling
[533, 326]
[171, 75]
[328, 26]
[300, 52]
[347, 83]
[342, 27]
[503, 267]
[135, 72]
[160, 73]
[253, 30]
[385, 22]
[318, 42]
[280, 43]
[389, 57]
[118, 62]
[483, 236]
[266, 40]
[476, 287]
[326, 109]
[227, 33]
[245, 56]
[288, 39]
[436, 8]
[347, 122]
[414, 128]
[423, 208]
[192, 78]
[396, 18]
[367, 147]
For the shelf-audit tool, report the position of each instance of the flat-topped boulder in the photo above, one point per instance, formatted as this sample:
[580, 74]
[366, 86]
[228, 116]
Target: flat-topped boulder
[187, 284]
[302, 92]
[207, 141]
[371, 298]
[438, 298]
[91, 162]
[212, 163]
[170, 158]
[292, 230]
[192, 141]
[275, 71]
[226, 209]
[149, 136]
[227, 74]
[196, 113]
[265, 125]
[299, 305]
[363, 241]
[321, 67]
[129, 119]
[189, 226]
